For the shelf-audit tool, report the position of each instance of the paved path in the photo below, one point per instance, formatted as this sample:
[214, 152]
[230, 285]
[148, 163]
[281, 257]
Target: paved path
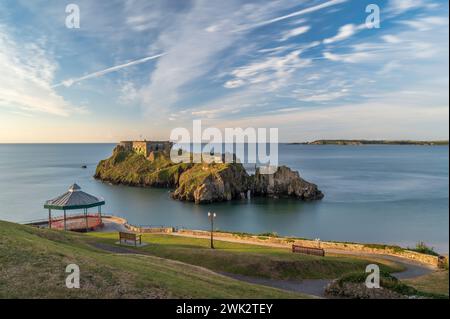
[316, 287]
[117, 249]
[313, 287]
[412, 268]
[112, 224]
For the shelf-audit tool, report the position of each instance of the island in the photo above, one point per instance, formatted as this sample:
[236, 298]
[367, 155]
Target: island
[148, 164]
[373, 142]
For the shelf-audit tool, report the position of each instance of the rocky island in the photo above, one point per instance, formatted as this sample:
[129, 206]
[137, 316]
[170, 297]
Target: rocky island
[148, 164]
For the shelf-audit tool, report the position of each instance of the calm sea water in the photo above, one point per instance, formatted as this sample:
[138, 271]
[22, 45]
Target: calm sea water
[389, 194]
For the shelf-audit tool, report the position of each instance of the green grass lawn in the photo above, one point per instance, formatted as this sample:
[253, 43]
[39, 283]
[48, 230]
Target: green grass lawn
[247, 259]
[436, 282]
[33, 262]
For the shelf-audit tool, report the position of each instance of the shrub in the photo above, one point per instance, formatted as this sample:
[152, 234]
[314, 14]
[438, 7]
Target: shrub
[387, 281]
[384, 247]
[271, 234]
[421, 247]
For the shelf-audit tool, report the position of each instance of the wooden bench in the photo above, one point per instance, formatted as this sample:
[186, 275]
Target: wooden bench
[442, 262]
[308, 250]
[130, 236]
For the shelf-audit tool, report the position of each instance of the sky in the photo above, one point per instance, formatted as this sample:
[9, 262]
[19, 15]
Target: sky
[138, 69]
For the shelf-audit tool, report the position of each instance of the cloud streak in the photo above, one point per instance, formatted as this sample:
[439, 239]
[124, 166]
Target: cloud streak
[70, 82]
[296, 13]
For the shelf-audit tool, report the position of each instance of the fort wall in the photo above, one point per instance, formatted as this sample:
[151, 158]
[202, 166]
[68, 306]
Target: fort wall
[147, 147]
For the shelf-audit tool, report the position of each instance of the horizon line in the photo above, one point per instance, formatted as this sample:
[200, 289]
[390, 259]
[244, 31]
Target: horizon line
[281, 142]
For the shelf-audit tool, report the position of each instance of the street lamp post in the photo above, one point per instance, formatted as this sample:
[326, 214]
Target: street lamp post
[211, 216]
[318, 242]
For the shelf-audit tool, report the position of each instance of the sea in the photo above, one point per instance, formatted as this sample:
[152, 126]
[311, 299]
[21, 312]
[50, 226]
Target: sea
[393, 194]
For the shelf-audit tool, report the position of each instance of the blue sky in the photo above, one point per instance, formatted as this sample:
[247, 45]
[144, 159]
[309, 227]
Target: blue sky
[310, 68]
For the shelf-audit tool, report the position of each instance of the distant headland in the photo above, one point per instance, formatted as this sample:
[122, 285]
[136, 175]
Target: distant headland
[373, 142]
[148, 164]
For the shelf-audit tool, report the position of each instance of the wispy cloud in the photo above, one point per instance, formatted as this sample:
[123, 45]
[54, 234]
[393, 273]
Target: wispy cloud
[390, 38]
[25, 79]
[344, 32]
[230, 61]
[294, 32]
[425, 23]
[383, 118]
[128, 92]
[191, 50]
[353, 57]
[70, 82]
[194, 45]
[400, 6]
[270, 70]
[322, 96]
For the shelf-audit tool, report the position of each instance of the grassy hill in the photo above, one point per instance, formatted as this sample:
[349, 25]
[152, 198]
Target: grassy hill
[33, 263]
[434, 283]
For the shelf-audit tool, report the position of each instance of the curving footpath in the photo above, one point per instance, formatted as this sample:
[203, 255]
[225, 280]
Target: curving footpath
[316, 287]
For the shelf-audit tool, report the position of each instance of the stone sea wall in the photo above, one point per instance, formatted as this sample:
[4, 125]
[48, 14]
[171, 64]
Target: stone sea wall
[353, 247]
[149, 230]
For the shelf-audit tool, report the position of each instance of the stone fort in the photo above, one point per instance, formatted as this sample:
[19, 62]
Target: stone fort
[147, 147]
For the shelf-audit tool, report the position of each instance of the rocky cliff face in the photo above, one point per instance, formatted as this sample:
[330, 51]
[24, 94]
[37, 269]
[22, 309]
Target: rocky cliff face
[202, 183]
[213, 183]
[285, 183]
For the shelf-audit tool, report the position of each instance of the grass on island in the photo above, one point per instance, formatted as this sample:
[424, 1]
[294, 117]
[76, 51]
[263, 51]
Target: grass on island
[33, 262]
[249, 260]
[135, 169]
[435, 283]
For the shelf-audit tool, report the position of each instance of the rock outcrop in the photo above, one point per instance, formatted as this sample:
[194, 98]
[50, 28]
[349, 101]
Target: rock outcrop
[202, 183]
[213, 183]
[350, 290]
[285, 183]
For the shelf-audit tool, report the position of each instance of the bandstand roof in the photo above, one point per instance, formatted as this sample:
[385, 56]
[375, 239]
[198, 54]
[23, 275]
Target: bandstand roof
[74, 198]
